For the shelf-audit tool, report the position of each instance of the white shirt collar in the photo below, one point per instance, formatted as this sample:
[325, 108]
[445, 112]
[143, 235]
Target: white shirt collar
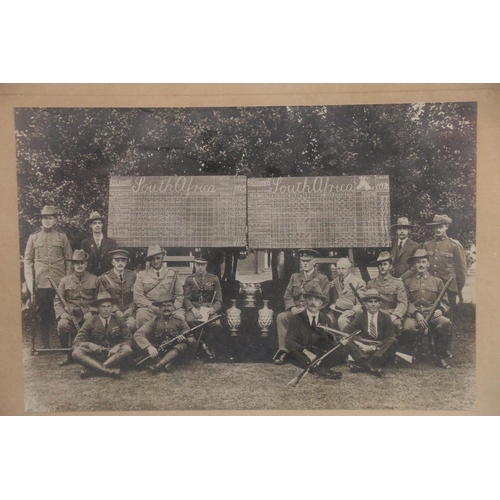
[403, 241]
[103, 320]
[311, 316]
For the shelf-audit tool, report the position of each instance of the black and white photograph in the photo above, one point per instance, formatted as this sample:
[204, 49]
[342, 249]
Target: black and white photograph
[249, 258]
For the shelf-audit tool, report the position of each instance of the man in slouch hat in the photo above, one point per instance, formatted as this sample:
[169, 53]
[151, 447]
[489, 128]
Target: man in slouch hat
[294, 296]
[119, 283]
[153, 284]
[104, 341]
[78, 289]
[403, 247]
[46, 256]
[98, 245]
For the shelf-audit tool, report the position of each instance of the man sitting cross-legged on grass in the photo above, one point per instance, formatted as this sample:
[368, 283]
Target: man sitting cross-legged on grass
[305, 341]
[160, 329]
[103, 341]
[375, 325]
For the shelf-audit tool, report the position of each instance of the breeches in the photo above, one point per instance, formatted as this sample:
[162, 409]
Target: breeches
[65, 326]
[282, 322]
[439, 327]
[120, 351]
[45, 309]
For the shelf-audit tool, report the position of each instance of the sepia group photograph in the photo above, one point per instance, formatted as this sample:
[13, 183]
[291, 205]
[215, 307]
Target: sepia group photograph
[248, 258]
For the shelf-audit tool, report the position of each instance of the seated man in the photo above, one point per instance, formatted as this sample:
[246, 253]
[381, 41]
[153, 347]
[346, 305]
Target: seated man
[119, 283]
[160, 329]
[423, 290]
[153, 285]
[78, 289]
[375, 326]
[294, 298]
[202, 291]
[391, 290]
[341, 289]
[305, 341]
[103, 337]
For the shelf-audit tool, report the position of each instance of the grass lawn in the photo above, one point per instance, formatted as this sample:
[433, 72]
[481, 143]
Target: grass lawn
[257, 386]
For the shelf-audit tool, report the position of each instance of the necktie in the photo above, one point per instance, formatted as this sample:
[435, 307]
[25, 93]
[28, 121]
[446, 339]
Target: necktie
[373, 328]
[342, 283]
[106, 325]
[158, 273]
[121, 277]
[313, 323]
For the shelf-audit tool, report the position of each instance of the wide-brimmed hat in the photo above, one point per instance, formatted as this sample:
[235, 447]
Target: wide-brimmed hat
[383, 256]
[79, 256]
[103, 297]
[403, 222]
[168, 297]
[95, 216]
[153, 251]
[371, 293]
[419, 254]
[316, 292]
[341, 305]
[47, 210]
[439, 219]
[307, 252]
[119, 253]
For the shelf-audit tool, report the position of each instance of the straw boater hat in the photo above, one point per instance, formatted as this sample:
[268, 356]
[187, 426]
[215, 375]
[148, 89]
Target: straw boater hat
[95, 216]
[153, 251]
[402, 222]
[47, 210]
[316, 292]
[307, 252]
[79, 256]
[419, 254]
[371, 293]
[438, 220]
[103, 297]
[383, 256]
[341, 305]
[168, 297]
[119, 253]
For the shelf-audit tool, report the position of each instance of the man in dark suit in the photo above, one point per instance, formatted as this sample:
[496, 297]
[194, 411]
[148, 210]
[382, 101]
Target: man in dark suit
[305, 341]
[98, 246]
[378, 329]
[403, 247]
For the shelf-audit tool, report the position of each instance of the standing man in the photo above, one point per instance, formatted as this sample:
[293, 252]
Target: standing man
[98, 246]
[153, 284]
[119, 283]
[375, 326]
[78, 289]
[162, 328]
[403, 247]
[104, 341]
[305, 341]
[294, 296]
[392, 291]
[46, 256]
[423, 290]
[203, 289]
[447, 258]
[342, 289]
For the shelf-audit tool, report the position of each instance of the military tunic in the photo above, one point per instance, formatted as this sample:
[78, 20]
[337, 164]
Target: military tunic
[123, 289]
[158, 330]
[393, 293]
[199, 291]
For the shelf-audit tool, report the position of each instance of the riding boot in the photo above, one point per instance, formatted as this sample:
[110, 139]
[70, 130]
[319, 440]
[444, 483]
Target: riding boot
[165, 362]
[116, 358]
[209, 353]
[93, 364]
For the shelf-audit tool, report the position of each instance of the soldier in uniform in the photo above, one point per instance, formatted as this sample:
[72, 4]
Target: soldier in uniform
[294, 296]
[423, 290]
[203, 289]
[392, 291]
[104, 341]
[78, 289]
[119, 283]
[98, 246]
[162, 328]
[47, 255]
[152, 285]
[447, 258]
[305, 341]
[341, 289]
[403, 247]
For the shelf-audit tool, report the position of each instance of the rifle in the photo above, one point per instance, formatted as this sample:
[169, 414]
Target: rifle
[295, 381]
[363, 305]
[33, 311]
[64, 306]
[429, 317]
[201, 333]
[401, 355]
[163, 346]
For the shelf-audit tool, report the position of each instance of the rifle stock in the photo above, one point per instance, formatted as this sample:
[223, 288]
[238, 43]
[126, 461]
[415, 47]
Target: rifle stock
[363, 306]
[64, 304]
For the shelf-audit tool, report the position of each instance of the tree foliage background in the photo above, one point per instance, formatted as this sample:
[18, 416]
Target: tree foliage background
[66, 155]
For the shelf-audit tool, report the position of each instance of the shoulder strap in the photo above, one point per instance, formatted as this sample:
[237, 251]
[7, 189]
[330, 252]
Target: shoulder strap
[113, 285]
